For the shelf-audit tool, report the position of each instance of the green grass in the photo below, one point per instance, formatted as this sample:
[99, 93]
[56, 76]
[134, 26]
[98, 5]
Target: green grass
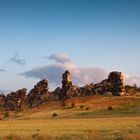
[115, 112]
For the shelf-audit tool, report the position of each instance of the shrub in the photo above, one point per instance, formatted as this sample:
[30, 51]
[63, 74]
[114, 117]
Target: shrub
[6, 114]
[81, 107]
[87, 108]
[54, 115]
[73, 105]
[110, 108]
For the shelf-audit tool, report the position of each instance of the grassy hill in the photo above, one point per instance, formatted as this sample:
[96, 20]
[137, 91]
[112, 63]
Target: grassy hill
[81, 118]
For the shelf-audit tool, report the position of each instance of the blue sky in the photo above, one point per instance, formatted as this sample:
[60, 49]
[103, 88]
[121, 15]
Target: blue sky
[92, 33]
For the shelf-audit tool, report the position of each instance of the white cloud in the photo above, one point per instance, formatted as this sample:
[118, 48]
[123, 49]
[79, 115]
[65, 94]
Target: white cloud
[131, 80]
[80, 75]
[60, 58]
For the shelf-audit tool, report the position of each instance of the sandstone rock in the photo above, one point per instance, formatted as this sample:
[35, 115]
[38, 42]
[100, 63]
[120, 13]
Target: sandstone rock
[113, 84]
[73, 91]
[117, 85]
[66, 80]
[86, 90]
[2, 99]
[38, 94]
[14, 100]
[66, 85]
[62, 93]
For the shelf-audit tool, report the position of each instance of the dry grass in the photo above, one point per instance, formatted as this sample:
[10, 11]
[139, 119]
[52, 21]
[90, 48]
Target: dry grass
[97, 123]
[102, 128]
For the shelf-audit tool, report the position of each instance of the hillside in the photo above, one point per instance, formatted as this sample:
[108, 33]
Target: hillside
[92, 106]
[83, 107]
[108, 110]
[82, 118]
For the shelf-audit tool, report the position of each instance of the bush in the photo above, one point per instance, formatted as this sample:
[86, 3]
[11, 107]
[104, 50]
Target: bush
[110, 108]
[73, 105]
[54, 115]
[6, 114]
[87, 108]
[81, 107]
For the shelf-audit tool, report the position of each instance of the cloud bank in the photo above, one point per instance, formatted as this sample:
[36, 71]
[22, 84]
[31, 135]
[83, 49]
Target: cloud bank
[80, 75]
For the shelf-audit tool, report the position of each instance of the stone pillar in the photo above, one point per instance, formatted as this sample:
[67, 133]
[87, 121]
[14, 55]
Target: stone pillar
[66, 85]
[66, 80]
[116, 80]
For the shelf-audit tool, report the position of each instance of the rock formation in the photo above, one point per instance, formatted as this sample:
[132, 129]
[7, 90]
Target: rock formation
[14, 100]
[86, 90]
[38, 94]
[2, 99]
[117, 85]
[66, 80]
[114, 84]
[66, 85]
[62, 93]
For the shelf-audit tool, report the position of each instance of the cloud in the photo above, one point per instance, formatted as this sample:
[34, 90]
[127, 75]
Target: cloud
[59, 58]
[2, 70]
[80, 75]
[16, 59]
[131, 80]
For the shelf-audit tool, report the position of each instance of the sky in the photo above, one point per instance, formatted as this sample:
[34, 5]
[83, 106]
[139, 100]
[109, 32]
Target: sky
[42, 38]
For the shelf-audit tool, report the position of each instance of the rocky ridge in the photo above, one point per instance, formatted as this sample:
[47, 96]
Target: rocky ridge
[113, 85]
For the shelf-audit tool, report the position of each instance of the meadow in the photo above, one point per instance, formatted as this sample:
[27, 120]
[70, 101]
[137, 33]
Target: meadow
[81, 119]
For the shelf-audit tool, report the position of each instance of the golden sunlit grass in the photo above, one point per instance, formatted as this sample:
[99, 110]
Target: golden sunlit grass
[54, 122]
[103, 128]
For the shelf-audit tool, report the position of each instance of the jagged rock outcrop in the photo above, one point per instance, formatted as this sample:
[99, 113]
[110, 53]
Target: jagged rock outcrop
[66, 80]
[117, 85]
[86, 90]
[62, 93]
[57, 93]
[73, 91]
[38, 94]
[66, 85]
[2, 98]
[14, 100]
[114, 84]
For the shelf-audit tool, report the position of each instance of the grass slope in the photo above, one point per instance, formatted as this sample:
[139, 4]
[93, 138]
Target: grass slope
[85, 118]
